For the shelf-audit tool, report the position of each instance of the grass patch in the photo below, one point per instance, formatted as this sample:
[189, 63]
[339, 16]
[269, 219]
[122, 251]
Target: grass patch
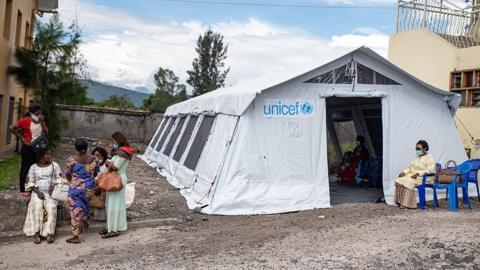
[9, 169]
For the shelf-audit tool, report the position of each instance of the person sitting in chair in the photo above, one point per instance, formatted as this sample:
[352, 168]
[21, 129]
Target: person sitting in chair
[346, 170]
[412, 176]
[361, 157]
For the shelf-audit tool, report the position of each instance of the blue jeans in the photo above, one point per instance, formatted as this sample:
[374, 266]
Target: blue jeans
[362, 170]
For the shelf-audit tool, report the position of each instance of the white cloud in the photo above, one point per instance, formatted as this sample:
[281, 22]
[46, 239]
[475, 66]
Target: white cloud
[125, 50]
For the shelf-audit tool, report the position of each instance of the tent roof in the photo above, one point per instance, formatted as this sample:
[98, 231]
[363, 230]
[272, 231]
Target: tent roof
[234, 100]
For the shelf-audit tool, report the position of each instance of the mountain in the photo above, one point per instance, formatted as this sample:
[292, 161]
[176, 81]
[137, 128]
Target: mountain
[143, 89]
[101, 91]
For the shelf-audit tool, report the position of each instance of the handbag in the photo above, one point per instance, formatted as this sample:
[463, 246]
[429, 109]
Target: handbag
[109, 181]
[97, 201]
[60, 191]
[445, 175]
[39, 143]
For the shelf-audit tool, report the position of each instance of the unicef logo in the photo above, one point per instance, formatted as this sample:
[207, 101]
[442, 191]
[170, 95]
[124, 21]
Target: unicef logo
[307, 108]
[288, 108]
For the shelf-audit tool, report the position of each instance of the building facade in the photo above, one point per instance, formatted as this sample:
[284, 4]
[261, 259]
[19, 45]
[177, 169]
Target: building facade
[17, 20]
[442, 48]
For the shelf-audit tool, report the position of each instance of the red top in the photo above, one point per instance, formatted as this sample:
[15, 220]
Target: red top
[25, 124]
[127, 149]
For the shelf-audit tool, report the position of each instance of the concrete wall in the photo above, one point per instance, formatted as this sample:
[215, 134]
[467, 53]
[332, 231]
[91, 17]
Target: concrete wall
[101, 123]
[8, 87]
[431, 58]
[424, 55]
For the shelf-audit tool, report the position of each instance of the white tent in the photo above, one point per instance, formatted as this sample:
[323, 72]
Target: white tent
[261, 147]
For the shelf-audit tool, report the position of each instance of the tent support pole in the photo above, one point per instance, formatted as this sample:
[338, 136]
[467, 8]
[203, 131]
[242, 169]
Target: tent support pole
[362, 129]
[334, 137]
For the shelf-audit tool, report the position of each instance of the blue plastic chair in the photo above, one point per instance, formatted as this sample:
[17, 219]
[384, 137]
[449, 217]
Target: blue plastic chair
[452, 188]
[473, 175]
[421, 189]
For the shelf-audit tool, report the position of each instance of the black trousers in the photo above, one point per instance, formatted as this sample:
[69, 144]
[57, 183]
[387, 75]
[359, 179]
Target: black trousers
[28, 159]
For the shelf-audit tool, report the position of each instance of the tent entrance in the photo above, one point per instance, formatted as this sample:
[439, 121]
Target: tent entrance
[348, 117]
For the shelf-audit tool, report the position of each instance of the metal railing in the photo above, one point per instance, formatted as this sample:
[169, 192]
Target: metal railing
[459, 26]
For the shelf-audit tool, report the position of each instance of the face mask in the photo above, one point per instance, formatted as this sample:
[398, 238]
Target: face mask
[358, 143]
[419, 153]
[100, 161]
[34, 117]
[115, 145]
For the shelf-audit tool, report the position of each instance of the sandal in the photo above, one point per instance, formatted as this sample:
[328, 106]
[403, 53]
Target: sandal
[110, 235]
[50, 238]
[104, 231]
[37, 239]
[73, 240]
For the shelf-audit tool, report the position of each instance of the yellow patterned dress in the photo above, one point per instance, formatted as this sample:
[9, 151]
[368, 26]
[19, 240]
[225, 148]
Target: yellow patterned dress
[405, 186]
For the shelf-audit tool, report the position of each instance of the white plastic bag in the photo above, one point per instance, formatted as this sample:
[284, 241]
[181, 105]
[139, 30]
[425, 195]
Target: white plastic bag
[129, 194]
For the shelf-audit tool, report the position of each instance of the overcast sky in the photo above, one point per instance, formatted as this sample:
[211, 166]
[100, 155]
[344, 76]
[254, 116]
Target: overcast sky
[125, 41]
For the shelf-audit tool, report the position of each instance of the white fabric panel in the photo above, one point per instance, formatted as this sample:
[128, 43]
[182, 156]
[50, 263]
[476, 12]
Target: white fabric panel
[409, 115]
[212, 159]
[275, 164]
[213, 153]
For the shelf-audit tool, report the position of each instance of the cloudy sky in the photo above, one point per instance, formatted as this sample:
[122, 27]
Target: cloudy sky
[125, 41]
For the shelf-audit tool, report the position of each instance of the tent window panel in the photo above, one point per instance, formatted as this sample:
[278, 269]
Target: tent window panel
[162, 127]
[324, 78]
[380, 79]
[187, 134]
[343, 75]
[364, 74]
[198, 143]
[165, 134]
[174, 137]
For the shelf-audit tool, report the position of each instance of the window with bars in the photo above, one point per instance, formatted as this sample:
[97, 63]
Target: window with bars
[467, 84]
[199, 142]
[187, 134]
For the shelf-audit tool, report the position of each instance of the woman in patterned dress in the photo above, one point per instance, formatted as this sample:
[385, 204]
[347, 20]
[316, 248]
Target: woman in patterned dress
[80, 171]
[42, 209]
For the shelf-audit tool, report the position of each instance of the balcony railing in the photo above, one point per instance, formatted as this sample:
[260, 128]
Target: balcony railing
[459, 26]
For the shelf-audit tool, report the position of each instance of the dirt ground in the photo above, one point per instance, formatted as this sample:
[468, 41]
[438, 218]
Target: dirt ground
[347, 236]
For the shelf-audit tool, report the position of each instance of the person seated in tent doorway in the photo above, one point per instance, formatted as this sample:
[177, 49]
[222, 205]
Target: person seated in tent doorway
[361, 157]
[412, 176]
[346, 170]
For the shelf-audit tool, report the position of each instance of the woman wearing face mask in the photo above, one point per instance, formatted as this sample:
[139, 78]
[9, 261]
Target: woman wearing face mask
[97, 205]
[411, 177]
[115, 202]
[42, 209]
[27, 130]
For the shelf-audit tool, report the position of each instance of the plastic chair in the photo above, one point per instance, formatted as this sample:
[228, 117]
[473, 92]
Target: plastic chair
[421, 189]
[473, 175]
[452, 188]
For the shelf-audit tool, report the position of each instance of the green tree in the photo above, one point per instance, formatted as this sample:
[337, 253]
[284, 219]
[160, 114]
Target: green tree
[209, 72]
[168, 91]
[52, 71]
[118, 102]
